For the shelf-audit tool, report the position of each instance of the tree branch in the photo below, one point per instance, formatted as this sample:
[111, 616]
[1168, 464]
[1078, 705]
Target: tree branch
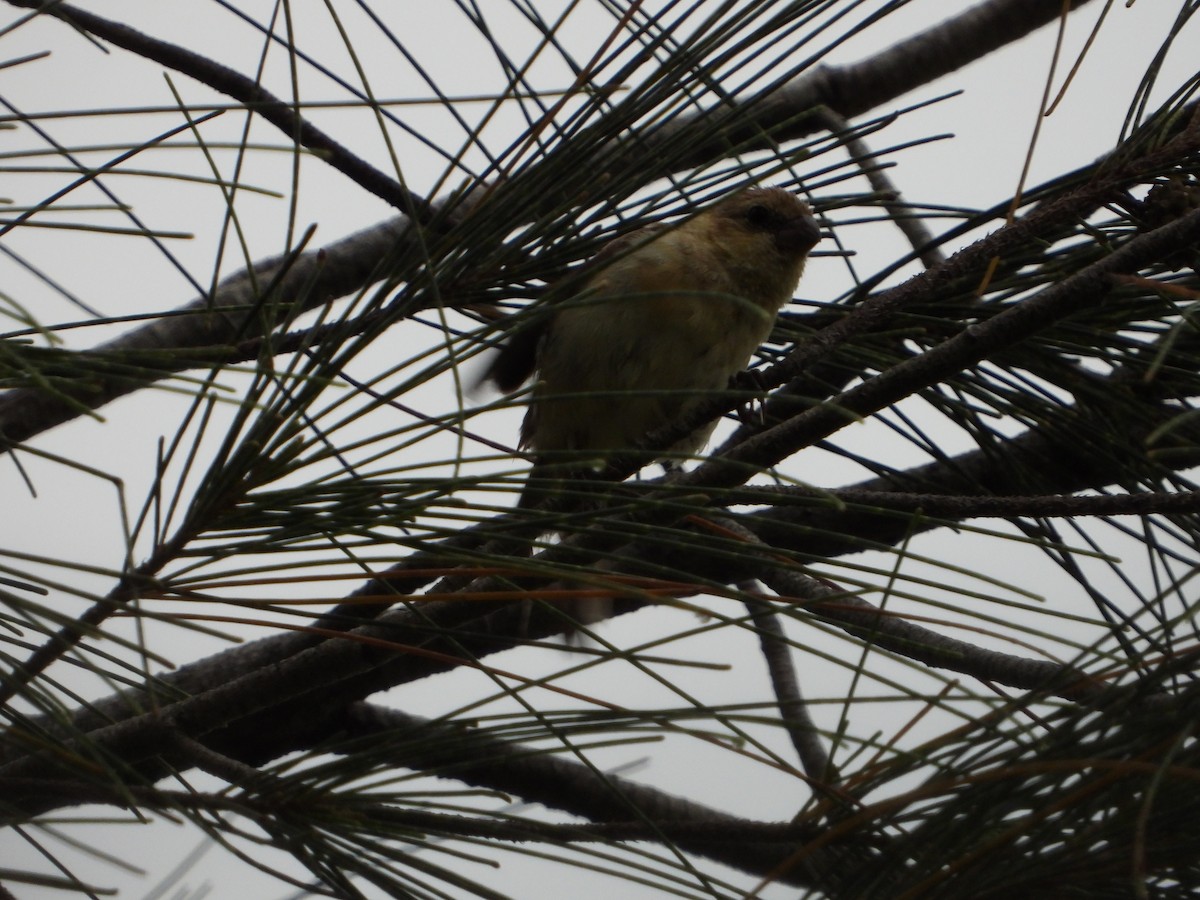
[350, 265]
[851, 90]
[473, 758]
[245, 90]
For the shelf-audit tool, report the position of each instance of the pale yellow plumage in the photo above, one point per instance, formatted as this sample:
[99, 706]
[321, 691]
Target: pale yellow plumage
[666, 324]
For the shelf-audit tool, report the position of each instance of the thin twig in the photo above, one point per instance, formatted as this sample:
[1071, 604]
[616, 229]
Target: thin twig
[793, 711]
[924, 645]
[905, 216]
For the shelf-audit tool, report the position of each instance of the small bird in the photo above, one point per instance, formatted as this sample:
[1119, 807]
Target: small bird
[668, 317]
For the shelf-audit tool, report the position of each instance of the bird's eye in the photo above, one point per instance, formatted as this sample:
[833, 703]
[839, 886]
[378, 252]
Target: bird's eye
[759, 216]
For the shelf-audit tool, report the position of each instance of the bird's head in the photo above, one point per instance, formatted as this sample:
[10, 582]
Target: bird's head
[764, 236]
[767, 220]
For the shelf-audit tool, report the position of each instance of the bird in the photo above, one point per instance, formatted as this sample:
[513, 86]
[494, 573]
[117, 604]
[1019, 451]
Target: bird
[668, 315]
[664, 318]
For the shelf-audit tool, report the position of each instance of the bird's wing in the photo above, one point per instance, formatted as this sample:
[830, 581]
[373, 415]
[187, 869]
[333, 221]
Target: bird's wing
[516, 361]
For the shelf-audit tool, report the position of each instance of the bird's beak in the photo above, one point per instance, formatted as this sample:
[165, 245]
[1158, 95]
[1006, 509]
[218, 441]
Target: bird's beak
[800, 235]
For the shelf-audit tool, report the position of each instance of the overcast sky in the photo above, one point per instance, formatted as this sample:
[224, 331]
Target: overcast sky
[992, 121]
